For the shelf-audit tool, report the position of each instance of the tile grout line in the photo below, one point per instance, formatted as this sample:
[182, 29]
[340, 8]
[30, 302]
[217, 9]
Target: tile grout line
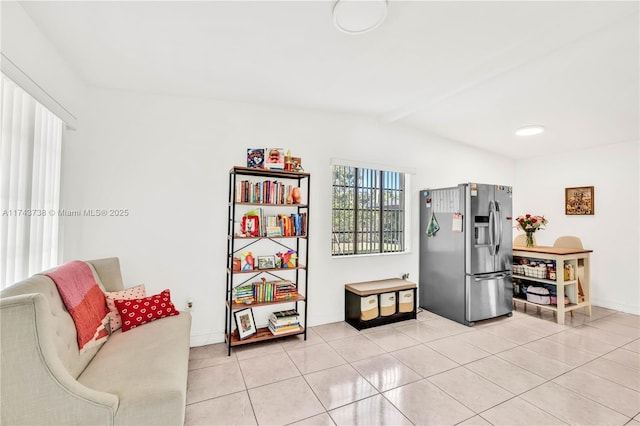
[570, 328]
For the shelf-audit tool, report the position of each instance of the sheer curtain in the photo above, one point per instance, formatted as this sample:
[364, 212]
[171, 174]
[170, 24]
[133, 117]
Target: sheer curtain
[30, 155]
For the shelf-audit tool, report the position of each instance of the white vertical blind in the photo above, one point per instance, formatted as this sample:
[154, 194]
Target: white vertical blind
[30, 155]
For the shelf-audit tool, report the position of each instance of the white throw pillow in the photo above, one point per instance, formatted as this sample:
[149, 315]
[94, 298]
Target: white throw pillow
[137, 292]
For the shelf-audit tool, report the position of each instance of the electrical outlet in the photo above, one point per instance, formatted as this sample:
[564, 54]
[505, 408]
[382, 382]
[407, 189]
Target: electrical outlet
[189, 304]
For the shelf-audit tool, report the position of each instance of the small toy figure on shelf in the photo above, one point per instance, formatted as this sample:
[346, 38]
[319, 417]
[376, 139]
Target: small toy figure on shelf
[288, 163]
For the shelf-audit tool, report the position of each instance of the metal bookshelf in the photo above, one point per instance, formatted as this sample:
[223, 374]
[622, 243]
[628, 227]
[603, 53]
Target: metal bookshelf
[237, 243]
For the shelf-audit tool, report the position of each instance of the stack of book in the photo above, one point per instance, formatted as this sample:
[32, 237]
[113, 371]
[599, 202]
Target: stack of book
[283, 322]
[244, 293]
[285, 290]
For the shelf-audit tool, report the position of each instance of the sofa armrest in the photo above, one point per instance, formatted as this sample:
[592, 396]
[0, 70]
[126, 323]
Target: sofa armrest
[36, 388]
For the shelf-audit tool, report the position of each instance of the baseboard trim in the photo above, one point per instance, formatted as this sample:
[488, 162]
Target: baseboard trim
[616, 305]
[206, 339]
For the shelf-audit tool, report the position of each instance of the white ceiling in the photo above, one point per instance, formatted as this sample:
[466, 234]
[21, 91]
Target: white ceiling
[471, 71]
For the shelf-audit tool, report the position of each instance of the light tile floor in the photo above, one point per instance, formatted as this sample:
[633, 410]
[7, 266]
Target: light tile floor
[524, 370]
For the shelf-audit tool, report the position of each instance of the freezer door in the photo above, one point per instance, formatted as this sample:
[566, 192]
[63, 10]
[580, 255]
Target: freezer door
[480, 229]
[488, 296]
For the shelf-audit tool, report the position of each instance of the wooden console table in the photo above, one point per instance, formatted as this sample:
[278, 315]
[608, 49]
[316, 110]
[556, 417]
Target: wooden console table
[579, 259]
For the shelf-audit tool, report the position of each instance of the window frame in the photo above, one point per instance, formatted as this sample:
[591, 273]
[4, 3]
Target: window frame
[382, 187]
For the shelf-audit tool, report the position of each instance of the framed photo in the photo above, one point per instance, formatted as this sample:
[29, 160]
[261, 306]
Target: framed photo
[579, 201]
[251, 226]
[266, 262]
[296, 164]
[245, 323]
[274, 158]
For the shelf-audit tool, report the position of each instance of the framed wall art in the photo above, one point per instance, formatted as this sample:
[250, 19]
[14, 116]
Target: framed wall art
[579, 201]
[245, 323]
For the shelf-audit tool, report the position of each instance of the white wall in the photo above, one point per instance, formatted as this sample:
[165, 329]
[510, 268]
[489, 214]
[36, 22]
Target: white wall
[612, 232]
[166, 159]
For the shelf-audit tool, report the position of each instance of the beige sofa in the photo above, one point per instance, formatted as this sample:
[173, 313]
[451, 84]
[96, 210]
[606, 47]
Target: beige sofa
[138, 377]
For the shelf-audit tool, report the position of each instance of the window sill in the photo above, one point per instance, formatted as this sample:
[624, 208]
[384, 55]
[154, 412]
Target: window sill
[369, 255]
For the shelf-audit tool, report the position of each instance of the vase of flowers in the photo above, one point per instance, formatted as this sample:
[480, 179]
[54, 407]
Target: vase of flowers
[529, 238]
[530, 224]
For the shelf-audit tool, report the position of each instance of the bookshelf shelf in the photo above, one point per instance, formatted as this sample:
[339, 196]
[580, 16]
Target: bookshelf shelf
[237, 237]
[258, 271]
[302, 206]
[262, 335]
[247, 185]
[235, 306]
[283, 174]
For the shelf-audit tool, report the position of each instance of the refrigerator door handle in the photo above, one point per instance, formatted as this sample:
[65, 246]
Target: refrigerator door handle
[491, 277]
[492, 228]
[498, 227]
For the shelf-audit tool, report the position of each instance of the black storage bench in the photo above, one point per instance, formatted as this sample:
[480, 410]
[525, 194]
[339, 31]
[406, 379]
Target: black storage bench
[372, 303]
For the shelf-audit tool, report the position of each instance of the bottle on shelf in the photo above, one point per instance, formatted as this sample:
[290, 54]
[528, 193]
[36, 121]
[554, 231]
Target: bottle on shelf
[552, 272]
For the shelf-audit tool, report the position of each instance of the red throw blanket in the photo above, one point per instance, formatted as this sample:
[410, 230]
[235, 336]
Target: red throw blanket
[84, 300]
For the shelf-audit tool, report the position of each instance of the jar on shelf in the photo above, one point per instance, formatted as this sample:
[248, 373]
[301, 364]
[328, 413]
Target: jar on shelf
[572, 273]
[569, 272]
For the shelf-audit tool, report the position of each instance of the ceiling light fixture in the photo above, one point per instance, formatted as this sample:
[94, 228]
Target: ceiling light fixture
[359, 16]
[529, 130]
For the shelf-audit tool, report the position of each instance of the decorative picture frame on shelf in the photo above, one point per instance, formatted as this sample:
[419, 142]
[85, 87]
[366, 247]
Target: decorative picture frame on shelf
[251, 226]
[255, 158]
[579, 201]
[274, 158]
[266, 262]
[296, 164]
[245, 323]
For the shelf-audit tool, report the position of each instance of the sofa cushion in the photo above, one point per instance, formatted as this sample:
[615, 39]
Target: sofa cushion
[137, 292]
[137, 312]
[146, 368]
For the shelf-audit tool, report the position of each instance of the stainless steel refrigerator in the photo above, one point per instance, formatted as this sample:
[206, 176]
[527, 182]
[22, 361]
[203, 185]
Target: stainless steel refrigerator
[466, 252]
